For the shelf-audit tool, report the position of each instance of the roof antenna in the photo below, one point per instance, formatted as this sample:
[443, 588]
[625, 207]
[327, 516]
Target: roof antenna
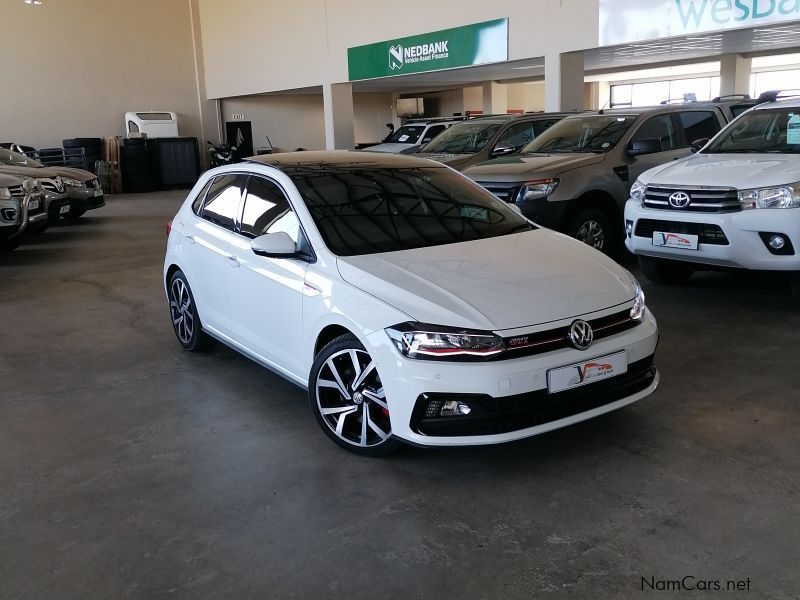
[602, 108]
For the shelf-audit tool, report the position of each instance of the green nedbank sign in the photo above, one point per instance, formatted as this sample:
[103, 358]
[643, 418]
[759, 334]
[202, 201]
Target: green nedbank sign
[475, 44]
[624, 21]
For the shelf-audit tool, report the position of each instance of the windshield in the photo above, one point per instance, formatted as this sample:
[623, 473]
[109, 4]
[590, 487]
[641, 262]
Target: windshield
[15, 159]
[462, 138]
[372, 210]
[587, 133]
[759, 131]
[408, 134]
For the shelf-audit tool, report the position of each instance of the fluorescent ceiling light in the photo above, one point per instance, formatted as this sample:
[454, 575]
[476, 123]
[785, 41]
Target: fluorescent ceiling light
[33, 2]
[526, 67]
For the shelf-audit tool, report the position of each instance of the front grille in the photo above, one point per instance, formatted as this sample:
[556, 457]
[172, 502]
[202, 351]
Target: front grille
[556, 339]
[50, 186]
[713, 200]
[505, 191]
[707, 234]
[491, 416]
[16, 191]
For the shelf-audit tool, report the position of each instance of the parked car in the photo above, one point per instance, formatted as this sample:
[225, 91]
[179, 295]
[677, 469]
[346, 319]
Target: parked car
[82, 187]
[484, 138]
[18, 197]
[410, 137]
[56, 201]
[577, 175]
[412, 304]
[736, 203]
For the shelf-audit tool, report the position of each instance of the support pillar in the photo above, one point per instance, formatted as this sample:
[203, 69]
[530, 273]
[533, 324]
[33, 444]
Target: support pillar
[734, 74]
[495, 98]
[337, 100]
[563, 82]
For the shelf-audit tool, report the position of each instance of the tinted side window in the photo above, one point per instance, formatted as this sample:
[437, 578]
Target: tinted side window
[198, 202]
[222, 200]
[699, 124]
[433, 131]
[517, 136]
[266, 210]
[658, 128]
[542, 124]
[738, 109]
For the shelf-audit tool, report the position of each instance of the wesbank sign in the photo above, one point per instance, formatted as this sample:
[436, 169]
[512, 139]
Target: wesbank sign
[624, 21]
[475, 44]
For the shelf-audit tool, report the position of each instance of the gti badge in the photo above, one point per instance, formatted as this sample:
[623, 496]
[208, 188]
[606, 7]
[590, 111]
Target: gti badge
[679, 200]
[581, 335]
[396, 57]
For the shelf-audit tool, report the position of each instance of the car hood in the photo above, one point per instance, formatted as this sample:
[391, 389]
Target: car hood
[519, 168]
[36, 172]
[393, 148]
[453, 160]
[505, 282]
[7, 179]
[741, 171]
[73, 173]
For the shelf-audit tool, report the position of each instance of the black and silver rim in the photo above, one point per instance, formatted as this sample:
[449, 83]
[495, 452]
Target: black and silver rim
[592, 233]
[351, 399]
[180, 305]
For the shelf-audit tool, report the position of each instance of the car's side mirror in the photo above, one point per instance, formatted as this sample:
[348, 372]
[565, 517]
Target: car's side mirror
[644, 146]
[503, 151]
[697, 145]
[274, 245]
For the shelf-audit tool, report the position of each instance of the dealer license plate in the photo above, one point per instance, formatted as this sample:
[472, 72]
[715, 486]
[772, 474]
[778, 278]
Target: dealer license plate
[33, 205]
[64, 209]
[684, 241]
[586, 372]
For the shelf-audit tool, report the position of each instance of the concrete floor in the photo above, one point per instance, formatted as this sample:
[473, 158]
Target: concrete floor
[130, 469]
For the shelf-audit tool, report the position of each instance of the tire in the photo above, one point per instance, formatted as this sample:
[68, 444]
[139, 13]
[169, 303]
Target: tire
[9, 245]
[667, 272]
[794, 281]
[592, 227]
[341, 411]
[183, 313]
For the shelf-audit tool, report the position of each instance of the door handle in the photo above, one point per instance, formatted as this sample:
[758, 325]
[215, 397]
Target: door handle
[233, 261]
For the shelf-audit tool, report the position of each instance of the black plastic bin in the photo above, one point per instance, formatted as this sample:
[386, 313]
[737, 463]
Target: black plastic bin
[177, 162]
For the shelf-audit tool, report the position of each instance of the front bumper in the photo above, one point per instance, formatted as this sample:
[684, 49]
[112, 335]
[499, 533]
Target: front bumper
[745, 248]
[57, 206]
[513, 393]
[86, 198]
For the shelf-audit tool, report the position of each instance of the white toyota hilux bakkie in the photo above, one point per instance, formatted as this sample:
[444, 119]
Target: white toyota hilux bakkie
[735, 203]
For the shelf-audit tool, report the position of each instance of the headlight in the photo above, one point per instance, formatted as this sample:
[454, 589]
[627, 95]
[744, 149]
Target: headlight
[433, 342]
[787, 196]
[637, 191]
[538, 188]
[73, 182]
[5, 193]
[637, 311]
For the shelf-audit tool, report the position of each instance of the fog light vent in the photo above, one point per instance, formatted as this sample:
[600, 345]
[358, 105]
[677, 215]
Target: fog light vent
[777, 243]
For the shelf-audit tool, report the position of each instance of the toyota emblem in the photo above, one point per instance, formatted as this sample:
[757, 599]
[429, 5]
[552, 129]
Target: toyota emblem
[581, 335]
[679, 200]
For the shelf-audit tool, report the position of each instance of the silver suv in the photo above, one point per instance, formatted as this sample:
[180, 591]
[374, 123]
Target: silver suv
[576, 176]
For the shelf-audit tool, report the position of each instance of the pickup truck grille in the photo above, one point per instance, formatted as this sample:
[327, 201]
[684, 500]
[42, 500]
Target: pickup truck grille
[701, 200]
[16, 191]
[51, 186]
[504, 191]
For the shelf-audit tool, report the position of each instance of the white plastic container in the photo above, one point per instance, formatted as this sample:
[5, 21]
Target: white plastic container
[154, 123]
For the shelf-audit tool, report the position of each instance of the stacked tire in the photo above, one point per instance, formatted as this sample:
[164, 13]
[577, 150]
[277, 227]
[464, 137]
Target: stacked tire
[92, 150]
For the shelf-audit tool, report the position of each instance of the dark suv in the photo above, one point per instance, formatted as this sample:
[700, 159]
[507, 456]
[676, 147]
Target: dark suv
[576, 176]
[484, 138]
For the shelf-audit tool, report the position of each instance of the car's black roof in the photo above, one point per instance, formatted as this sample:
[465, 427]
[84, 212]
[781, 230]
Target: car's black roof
[327, 159]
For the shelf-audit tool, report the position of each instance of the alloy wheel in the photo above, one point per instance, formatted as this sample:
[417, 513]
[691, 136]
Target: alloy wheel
[180, 304]
[592, 233]
[351, 399]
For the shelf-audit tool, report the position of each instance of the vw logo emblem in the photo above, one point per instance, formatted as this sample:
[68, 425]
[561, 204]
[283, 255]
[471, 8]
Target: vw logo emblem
[581, 335]
[679, 200]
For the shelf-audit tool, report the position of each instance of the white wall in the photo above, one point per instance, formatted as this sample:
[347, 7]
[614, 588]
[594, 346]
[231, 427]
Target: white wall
[473, 98]
[534, 96]
[72, 69]
[255, 46]
[371, 113]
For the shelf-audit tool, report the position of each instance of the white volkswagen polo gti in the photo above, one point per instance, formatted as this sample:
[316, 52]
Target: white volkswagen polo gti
[412, 304]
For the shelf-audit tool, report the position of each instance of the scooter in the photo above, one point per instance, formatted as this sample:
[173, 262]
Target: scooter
[221, 154]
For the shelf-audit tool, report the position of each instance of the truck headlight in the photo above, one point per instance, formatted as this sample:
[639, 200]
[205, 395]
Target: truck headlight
[785, 196]
[538, 188]
[434, 342]
[637, 191]
[5, 193]
[72, 182]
